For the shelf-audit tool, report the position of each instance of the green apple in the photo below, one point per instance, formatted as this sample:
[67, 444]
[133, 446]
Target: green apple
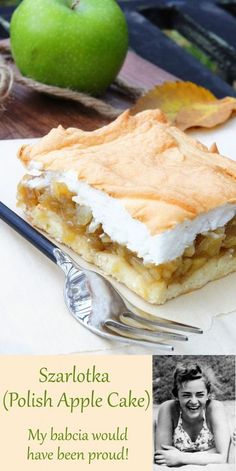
[77, 44]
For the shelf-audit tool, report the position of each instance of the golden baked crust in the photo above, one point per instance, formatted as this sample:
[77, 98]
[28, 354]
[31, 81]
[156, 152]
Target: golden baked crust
[161, 175]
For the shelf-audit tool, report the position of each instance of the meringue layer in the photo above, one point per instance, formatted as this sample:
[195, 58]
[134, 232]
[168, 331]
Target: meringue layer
[119, 225]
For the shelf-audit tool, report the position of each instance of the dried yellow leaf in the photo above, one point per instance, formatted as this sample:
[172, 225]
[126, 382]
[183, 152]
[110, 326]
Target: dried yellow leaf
[187, 105]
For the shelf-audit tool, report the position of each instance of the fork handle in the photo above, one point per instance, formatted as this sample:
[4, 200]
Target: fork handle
[28, 232]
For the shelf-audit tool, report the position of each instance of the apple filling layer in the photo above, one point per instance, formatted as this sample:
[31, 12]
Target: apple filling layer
[211, 256]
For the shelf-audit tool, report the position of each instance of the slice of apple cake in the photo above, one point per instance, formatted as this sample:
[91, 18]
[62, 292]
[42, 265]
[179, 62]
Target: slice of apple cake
[140, 199]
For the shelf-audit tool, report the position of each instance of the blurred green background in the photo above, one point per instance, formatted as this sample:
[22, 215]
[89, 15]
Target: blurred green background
[8, 3]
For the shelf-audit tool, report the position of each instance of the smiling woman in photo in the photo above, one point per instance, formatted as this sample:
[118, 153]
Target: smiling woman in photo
[192, 428]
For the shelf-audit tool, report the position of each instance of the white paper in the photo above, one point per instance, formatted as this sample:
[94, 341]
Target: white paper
[34, 318]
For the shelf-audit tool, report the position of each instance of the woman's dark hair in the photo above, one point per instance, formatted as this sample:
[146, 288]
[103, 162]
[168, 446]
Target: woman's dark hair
[192, 371]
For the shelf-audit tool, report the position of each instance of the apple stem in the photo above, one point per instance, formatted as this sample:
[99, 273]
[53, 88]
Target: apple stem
[75, 4]
[5, 24]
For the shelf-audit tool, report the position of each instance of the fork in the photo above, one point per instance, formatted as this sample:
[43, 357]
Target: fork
[94, 302]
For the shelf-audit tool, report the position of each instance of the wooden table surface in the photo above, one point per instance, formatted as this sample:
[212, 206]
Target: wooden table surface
[28, 113]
